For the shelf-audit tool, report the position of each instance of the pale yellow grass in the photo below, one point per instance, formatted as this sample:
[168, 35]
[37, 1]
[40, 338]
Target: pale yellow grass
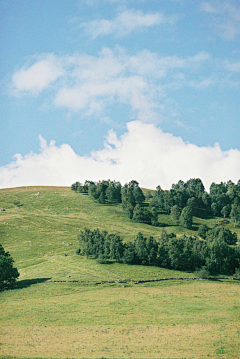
[179, 341]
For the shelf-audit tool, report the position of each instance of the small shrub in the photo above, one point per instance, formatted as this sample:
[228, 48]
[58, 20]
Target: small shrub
[102, 260]
[202, 273]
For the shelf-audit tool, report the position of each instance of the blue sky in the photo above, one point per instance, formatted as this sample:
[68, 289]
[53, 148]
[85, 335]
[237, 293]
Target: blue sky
[93, 89]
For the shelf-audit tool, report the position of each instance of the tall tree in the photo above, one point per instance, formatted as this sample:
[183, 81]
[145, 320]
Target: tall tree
[8, 274]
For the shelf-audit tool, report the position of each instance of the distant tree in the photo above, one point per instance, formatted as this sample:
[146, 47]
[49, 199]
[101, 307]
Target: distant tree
[168, 200]
[92, 191]
[192, 203]
[116, 247]
[223, 234]
[235, 214]
[138, 195]
[206, 200]
[154, 216]
[129, 253]
[75, 186]
[158, 199]
[214, 208]
[141, 251]
[186, 217]
[175, 213]
[113, 192]
[226, 211]
[195, 187]
[8, 274]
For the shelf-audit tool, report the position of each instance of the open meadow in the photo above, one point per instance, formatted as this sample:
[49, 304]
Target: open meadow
[67, 306]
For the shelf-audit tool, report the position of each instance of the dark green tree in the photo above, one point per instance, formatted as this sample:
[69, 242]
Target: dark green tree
[116, 247]
[192, 203]
[223, 234]
[235, 214]
[226, 211]
[175, 213]
[138, 195]
[202, 231]
[186, 218]
[141, 251]
[113, 192]
[8, 274]
[129, 253]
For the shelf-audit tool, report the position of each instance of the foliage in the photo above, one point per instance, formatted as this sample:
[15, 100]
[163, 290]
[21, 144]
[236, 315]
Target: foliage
[237, 274]
[235, 213]
[202, 273]
[8, 274]
[218, 253]
[183, 201]
[102, 191]
[175, 213]
[186, 217]
[202, 231]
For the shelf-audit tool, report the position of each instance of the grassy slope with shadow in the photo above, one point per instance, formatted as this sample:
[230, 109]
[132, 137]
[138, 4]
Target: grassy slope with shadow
[84, 320]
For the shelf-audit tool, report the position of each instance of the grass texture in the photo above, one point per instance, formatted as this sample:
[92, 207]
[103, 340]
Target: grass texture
[104, 314]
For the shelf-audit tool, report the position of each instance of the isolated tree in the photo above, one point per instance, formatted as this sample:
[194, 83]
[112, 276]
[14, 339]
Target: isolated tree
[186, 217]
[8, 274]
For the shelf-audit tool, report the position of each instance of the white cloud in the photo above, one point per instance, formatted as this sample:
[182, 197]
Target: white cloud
[91, 84]
[124, 23]
[38, 76]
[143, 153]
[225, 17]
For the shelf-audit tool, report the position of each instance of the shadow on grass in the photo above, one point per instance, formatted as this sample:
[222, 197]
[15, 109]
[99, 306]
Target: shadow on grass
[28, 282]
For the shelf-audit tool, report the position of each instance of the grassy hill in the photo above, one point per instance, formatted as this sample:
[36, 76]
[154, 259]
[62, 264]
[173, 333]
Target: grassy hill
[45, 318]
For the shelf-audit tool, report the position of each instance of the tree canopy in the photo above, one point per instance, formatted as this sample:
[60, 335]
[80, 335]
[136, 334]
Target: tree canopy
[8, 274]
[182, 202]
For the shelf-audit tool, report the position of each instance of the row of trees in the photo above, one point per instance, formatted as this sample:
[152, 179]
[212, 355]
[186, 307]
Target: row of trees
[218, 252]
[222, 200]
[102, 191]
[183, 201]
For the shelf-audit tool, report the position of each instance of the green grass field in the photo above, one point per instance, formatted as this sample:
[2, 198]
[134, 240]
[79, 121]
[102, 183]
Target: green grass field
[105, 314]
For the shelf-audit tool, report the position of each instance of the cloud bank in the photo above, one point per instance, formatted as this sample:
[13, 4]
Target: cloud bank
[143, 153]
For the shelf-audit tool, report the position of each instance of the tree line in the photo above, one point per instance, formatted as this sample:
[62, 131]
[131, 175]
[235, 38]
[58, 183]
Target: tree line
[183, 201]
[217, 252]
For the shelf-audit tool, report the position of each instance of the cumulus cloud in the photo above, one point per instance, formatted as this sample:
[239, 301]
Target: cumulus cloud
[124, 23]
[225, 17]
[38, 76]
[143, 153]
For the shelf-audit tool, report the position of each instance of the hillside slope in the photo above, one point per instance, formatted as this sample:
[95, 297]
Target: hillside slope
[67, 306]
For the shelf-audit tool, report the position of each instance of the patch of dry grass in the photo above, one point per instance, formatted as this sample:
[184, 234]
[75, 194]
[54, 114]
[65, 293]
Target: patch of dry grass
[168, 341]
